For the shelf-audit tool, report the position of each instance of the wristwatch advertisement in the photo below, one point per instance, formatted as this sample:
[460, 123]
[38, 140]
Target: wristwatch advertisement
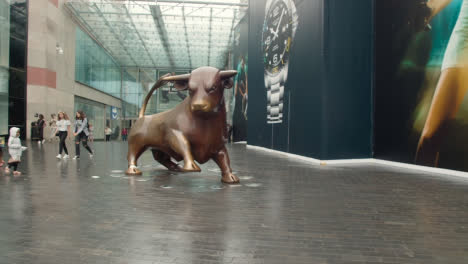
[279, 28]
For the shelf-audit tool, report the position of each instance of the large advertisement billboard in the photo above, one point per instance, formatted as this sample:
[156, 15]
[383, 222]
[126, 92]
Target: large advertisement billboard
[421, 110]
[239, 103]
[310, 71]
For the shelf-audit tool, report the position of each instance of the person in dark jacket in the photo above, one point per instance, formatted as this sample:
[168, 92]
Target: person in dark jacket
[40, 128]
[81, 134]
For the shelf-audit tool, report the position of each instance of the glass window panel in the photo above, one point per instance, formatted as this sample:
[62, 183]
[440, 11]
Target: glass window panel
[4, 64]
[132, 93]
[167, 96]
[94, 67]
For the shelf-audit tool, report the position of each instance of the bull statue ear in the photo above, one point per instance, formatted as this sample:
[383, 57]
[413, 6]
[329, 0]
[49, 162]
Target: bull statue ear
[181, 85]
[226, 78]
[180, 81]
[228, 83]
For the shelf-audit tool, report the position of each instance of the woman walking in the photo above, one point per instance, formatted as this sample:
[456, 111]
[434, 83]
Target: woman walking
[63, 130]
[40, 128]
[81, 134]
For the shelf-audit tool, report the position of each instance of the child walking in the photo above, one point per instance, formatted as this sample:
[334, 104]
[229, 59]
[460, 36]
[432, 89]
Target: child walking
[15, 149]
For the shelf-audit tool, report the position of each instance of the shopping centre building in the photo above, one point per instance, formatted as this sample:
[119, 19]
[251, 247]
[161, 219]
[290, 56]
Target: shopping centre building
[233, 131]
[100, 58]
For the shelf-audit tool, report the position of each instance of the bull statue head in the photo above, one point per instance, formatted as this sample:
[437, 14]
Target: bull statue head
[205, 85]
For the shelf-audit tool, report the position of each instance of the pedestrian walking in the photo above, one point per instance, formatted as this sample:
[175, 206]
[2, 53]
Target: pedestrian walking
[15, 150]
[53, 127]
[81, 134]
[124, 134]
[63, 130]
[108, 132]
[91, 133]
[2, 145]
[40, 124]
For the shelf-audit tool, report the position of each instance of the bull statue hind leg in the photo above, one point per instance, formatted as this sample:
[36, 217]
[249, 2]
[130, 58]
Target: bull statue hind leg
[165, 160]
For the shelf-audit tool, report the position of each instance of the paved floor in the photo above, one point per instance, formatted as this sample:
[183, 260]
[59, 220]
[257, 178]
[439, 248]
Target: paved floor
[284, 211]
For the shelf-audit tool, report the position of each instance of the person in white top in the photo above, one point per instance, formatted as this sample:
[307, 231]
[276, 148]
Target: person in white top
[53, 127]
[63, 130]
[108, 132]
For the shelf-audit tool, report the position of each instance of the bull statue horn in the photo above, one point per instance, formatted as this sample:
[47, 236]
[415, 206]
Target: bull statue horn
[227, 74]
[175, 78]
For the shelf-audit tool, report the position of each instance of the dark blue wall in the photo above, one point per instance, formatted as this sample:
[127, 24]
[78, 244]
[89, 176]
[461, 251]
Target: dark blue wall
[328, 98]
[348, 65]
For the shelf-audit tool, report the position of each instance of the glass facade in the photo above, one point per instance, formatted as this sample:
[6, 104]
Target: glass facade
[167, 96]
[132, 94]
[13, 39]
[136, 84]
[148, 78]
[97, 69]
[4, 64]
[94, 67]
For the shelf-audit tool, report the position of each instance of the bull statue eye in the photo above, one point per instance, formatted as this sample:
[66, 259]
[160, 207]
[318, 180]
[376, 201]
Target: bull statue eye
[212, 89]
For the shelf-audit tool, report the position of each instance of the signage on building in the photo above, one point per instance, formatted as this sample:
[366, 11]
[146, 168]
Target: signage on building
[114, 112]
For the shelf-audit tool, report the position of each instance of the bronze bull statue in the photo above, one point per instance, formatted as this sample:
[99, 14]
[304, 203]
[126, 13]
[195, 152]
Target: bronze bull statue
[193, 131]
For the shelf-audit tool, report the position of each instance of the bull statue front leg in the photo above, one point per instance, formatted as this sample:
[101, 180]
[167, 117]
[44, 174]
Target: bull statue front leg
[179, 144]
[222, 159]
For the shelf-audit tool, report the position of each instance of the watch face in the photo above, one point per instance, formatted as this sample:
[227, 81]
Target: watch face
[277, 31]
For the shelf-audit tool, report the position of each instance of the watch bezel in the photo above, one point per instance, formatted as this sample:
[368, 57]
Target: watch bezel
[270, 4]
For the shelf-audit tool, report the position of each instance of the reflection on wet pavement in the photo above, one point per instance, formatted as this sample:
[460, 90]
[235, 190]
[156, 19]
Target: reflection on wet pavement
[283, 211]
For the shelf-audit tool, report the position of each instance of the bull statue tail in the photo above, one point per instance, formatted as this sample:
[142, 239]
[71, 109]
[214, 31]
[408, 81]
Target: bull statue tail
[178, 79]
[148, 96]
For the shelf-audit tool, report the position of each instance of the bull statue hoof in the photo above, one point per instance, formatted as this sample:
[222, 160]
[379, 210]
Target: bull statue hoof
[230, 179]
[191, 167]
[133, 171]
[175, 168]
